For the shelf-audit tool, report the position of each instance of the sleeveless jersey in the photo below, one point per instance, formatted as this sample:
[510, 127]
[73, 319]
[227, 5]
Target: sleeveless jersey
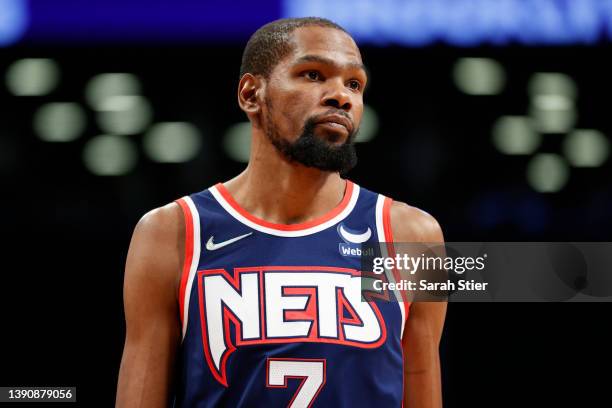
[272, 314]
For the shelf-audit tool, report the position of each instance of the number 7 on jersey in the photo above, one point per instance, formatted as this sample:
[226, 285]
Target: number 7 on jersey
[311, 371]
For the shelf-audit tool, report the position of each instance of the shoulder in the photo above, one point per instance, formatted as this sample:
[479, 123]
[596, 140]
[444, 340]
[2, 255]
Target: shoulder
[411, 224]
[161, 222]
[156, 251]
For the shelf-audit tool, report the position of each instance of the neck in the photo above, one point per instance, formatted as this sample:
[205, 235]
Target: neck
[273, 189]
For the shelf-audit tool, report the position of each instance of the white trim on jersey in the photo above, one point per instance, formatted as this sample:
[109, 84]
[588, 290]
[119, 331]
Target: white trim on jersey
[195, 260]
[281, 233]
[380, 230]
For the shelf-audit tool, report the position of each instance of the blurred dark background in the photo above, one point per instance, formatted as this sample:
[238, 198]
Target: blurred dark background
[499, 128]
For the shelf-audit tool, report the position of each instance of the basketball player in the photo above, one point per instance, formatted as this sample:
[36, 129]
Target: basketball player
[240, 295]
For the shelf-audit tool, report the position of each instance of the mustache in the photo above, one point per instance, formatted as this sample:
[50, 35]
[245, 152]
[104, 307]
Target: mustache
[312, 121]
[331, 112]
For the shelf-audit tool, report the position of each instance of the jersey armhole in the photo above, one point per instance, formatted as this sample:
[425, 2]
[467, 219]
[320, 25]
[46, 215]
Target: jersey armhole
[191, 258]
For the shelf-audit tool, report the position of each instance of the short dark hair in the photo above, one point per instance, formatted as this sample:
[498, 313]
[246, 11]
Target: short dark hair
[272, 42]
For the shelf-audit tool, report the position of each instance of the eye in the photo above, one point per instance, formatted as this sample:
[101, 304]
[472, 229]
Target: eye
[313, 75]
[354, 85]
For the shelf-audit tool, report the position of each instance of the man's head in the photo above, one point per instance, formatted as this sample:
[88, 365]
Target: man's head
[301, 85]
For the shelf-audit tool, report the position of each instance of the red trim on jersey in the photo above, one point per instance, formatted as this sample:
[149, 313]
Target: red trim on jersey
[348, 192]
[188, 254]
[403, 375]
[386, 214]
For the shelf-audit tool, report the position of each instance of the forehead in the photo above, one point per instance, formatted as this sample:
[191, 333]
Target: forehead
[325, 42]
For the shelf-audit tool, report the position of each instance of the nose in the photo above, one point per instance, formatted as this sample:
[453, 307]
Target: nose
[337, 96]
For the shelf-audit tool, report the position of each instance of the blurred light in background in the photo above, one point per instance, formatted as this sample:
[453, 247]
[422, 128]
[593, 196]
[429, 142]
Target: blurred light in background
[172, 142]
[547, 172]
[59, 122]
[124, 114]
[479, 76]
[552, 101]
[553, 113]
[237, 141]
[104, 86]
[110, 155]
[369, 125]
[586, 148]
[515, 135]
[552, 83]
[13, 20]
[32, 76]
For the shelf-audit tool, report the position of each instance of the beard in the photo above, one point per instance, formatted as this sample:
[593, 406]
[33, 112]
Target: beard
[312, 151]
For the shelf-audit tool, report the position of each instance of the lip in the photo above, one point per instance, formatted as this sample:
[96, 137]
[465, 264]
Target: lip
[337, 119]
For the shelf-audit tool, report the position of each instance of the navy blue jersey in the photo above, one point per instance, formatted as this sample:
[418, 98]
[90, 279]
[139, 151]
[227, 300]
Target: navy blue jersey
[272, 314]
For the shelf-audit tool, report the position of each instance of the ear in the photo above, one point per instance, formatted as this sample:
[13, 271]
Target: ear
[250, 93]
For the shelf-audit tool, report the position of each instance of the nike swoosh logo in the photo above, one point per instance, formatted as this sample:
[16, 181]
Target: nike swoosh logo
[355, 238]
[211, 246]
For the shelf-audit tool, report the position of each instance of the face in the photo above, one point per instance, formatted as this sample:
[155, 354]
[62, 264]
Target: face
[314, 99]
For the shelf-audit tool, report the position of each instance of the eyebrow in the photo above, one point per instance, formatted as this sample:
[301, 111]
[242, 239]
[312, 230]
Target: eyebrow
[327, 61]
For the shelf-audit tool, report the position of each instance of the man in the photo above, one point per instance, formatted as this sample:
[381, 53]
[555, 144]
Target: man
[239, 295]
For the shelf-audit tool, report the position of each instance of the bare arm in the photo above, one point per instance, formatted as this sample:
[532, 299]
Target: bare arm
[421, 342]
[152, 276]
